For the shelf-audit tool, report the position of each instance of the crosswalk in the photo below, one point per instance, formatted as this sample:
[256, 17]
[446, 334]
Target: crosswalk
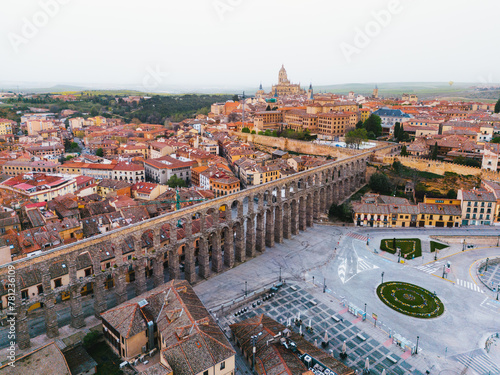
[357, 236]
[469, 285]
[431, 268]
[478, 361]
[364, 265]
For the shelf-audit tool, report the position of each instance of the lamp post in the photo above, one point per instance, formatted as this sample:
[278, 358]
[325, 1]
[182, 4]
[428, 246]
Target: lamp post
[498, 240]
[382, 274]
[486, 268]
[416, 349]
[365, 308]
[435, 254]
[280, 274]
[444, 268]
[463, 245]
[324, 285]
[246, 290]
[498, 290]
[313, 280]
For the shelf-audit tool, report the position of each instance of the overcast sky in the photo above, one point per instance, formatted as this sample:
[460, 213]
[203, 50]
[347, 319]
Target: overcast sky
[231, 43]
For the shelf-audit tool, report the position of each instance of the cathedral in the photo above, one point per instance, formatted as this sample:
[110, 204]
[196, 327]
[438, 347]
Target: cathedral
[284, 87]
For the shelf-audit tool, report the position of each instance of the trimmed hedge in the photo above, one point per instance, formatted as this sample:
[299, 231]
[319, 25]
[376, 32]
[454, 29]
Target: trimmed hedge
[411, 247]
[410, 299]
[436, 245]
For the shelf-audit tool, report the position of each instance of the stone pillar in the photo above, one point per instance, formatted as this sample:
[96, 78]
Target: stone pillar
[216, 252]
[156, 239]
[190, 267]
[158, 278]
[295, 217]
[270, 227]
[316, 205]
[100, 304]
[120, 285]
[140, 278]
[173, 262]
[287, 224]
[309, 210]
[302, 214]
[77, 318]
[240, 245]
[22, 329]
[260, 235]
[250, 235]
[229, 247]
[204, 261]
[278, 224]
[50, 315]
[173, 232]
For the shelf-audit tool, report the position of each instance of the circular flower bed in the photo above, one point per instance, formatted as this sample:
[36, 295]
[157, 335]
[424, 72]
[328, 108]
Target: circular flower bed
[410, 299]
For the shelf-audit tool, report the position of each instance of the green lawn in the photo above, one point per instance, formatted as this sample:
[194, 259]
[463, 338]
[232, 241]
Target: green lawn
[411, 247]
[108, 362]
[410, 299]
[436, 245]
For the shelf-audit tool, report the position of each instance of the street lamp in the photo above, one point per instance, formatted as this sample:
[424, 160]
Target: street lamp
[498, 290]
[498, 240]
[254, 342]
[436, 254]
[463, 245]
[280, 274]
[365, 308]
[246, 290]
[486, 268]
[382, 278]
[416, 349]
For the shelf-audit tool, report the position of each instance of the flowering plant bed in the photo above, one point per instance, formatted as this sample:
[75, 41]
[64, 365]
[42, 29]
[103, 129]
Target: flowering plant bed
[410, 299]
[410, 247]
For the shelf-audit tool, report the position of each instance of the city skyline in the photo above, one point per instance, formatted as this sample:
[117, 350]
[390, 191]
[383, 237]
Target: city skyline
[231, 44]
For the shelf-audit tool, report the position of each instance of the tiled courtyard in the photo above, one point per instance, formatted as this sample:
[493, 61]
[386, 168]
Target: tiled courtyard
[288, 303]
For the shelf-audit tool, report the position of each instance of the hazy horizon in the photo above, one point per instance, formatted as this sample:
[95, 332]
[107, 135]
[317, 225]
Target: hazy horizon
[239, 44]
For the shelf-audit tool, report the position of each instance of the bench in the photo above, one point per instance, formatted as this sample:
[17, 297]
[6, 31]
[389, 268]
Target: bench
[361, 337]
[392, 359]
[314, 303]
[335, 319]
[293, 288]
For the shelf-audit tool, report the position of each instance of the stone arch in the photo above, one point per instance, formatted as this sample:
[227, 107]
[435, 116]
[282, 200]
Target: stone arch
[227, 245]
[224, 213]
[211, 218]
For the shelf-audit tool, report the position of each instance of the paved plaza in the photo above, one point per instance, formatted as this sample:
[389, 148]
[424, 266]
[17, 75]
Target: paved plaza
[340, 258]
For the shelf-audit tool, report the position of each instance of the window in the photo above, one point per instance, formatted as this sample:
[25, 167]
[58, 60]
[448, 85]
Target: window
[57, 282]
[205, 372]
[40, 289]
[223, 365]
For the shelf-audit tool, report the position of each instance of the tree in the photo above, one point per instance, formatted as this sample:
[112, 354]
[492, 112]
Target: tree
[495, 140]
[342, 212]
[268, 108]
[175, 181]
[380, 183]
[397, 126]
[452, 194]
[254, 132]
[373, 124]
[404, 151]
[94, 111]
[434, 154]
[245, 130]
[401, 133]
[99, 152]
[497, 106]
[235, 98]
[359, 125]
[356, 137]
[91, 338]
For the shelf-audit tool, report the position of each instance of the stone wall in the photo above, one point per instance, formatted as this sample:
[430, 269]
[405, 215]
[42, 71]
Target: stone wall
[310, 148]
[469, 240]
[441, 167]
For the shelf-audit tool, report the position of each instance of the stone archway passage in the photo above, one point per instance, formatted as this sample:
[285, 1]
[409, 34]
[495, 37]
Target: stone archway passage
[410, 299]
